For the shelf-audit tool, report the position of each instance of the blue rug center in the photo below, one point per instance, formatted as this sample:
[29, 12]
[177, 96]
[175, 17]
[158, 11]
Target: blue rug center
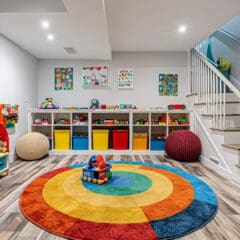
[120, 181]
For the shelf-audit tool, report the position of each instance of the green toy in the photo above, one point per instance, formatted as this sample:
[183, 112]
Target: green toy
[224, 66]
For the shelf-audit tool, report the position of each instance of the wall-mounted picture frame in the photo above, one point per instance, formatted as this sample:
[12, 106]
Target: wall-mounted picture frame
[63, 79]
[168, 84]
[125, 78]
[94, 76]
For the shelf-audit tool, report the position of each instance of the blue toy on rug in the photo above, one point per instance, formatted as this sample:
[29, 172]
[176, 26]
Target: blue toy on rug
[97, 170]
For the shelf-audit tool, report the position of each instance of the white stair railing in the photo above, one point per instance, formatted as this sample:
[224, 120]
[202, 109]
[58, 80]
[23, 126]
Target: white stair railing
[210, 85]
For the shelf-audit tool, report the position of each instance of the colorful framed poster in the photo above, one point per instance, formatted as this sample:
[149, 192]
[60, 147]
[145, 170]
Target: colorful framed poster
[94, 76]
[168, 84]
[63, 79]
[125, 78]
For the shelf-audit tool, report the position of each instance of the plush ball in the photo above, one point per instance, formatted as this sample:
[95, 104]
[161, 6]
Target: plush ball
[183, 145]
[32, 146]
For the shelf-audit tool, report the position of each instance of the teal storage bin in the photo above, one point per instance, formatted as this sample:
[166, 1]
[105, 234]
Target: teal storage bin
[157, 144]
[3, 162]
[80, 142]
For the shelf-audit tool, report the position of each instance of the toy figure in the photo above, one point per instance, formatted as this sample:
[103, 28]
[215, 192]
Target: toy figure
[97, 170]
[224, 66]
[94, 104]
[48, 104]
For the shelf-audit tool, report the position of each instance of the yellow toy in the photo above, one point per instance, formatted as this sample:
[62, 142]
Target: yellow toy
[3, 147]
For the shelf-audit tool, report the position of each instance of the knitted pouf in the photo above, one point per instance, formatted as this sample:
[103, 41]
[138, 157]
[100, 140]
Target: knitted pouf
[183, 145]
[32, 146]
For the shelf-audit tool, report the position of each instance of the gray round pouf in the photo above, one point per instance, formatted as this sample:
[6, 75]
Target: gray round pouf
[32, 146]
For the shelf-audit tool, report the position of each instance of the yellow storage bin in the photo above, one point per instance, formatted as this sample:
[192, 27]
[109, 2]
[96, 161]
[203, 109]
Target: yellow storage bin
[62, 139]
[100, 139]
[140, 141]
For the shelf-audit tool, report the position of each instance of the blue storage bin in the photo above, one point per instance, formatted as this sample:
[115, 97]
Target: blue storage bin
[157, 144]
[80, 143]
[3, 161]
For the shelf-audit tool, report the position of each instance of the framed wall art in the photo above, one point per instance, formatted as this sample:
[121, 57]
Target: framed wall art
[63, 79]
[168, 84]
[94, 77]
[125, 78]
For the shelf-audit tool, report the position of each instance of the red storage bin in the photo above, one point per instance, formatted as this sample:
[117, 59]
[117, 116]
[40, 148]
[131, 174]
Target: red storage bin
[120, 139]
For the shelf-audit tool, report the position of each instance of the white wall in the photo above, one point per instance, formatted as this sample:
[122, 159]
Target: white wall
[18, 71]
[146, 67]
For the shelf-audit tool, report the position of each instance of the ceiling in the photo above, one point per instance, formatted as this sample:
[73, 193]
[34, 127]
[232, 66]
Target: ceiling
[95, 28]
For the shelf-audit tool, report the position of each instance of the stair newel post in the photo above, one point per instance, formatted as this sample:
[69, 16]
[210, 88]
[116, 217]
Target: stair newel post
[214, 100]
[220, 103]
[217, 102]
[198, 79]
[193, 71]
[201, 80]
[224, 106]
[207, 90]
[211, 92]
[195, 74]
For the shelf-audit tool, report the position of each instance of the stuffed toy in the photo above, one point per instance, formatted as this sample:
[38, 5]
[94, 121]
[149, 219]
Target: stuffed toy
[3, 147]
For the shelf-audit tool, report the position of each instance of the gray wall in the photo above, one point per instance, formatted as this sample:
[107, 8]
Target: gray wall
[18, 71]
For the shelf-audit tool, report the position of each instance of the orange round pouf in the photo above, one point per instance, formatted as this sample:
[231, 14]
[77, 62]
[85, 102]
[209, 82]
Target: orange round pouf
[183, 145]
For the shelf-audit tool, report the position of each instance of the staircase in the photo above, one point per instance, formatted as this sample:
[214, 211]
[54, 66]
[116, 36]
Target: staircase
[216, 106]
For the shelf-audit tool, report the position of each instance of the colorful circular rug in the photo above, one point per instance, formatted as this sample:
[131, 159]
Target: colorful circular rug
[142, 201]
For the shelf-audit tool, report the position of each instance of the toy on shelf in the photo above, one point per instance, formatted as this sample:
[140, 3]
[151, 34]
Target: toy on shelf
[161, 121]
[94, 104]
[71, 108]
[48, 104]
[176, 106]
[97, 170]
[170, 121]
[126, 106]
[62, 121]
[182, 120]
[79, 119]
[8, 115]
[112, 107]
[102, 121]
[140, 121]
[39, 121]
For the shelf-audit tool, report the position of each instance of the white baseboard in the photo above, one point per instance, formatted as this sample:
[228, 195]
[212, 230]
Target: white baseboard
[219, 169]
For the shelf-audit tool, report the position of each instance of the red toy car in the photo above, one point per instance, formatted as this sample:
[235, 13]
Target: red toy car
[176, 106]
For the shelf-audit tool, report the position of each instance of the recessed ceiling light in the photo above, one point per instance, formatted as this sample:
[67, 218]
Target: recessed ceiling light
[50, 37]
[45, 24]
[182, 29]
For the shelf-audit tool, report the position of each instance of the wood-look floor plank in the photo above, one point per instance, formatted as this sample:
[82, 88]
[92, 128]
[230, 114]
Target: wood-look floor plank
[13, 225]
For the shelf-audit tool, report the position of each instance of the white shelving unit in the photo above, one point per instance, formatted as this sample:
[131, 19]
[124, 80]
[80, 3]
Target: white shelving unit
[135, 121]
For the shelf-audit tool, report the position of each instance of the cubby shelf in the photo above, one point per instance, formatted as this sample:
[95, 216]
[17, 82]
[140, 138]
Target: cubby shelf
[82, 122]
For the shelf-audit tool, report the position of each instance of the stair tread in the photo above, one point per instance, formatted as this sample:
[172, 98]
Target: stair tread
[191, 94]
[226, 129]
[233, 146]
[227, 115]
[203, 103]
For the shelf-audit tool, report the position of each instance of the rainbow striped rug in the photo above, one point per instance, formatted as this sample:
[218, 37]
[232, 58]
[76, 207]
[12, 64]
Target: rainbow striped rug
[142, 201]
